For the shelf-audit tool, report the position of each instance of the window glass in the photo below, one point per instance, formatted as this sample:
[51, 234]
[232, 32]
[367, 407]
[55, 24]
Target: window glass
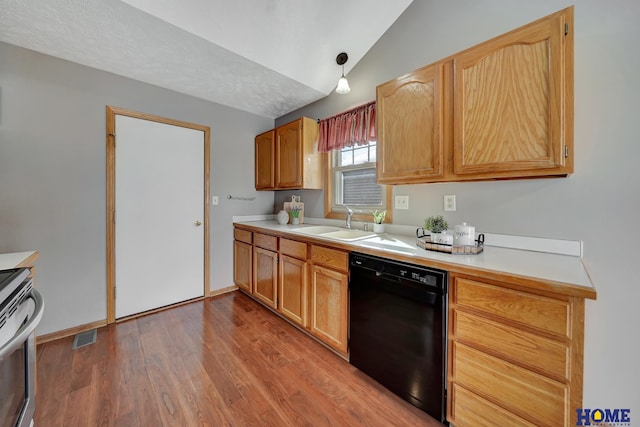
[354, 178]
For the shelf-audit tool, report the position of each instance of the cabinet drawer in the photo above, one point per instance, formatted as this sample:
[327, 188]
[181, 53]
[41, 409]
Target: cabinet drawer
[333, 258]
[265, 241]
[469, 409]
[293, 248]
[242, 235]
[516, 389]
[539, 353]
[546, 314]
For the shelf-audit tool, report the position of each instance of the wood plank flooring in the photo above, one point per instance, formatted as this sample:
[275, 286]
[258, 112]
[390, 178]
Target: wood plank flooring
[225, 361]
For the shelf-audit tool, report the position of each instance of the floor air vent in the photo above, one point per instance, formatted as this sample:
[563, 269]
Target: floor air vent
[84, 339]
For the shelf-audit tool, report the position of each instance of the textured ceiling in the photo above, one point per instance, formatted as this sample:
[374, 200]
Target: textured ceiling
[267, 57]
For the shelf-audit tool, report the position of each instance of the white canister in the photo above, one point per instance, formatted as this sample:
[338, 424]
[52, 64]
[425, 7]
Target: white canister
[464, 235]
[283, 217]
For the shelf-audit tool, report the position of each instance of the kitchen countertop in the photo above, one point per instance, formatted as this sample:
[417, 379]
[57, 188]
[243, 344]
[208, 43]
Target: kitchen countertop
[561, 274]
[18, 259]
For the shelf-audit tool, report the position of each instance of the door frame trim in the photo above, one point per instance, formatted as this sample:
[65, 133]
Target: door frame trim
[111, 197]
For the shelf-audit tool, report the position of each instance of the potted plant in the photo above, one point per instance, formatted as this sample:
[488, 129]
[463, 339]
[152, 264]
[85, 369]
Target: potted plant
[437, 225]
[295, 214]
[378, 219]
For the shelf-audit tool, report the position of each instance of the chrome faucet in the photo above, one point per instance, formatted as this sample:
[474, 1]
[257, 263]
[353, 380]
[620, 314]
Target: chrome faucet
[348, 219]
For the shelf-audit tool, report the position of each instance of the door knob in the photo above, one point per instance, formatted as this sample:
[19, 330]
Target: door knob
[198, 223]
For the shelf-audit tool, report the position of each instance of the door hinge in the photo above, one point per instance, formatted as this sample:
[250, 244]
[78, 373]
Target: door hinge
[566, 151]
[566, 28]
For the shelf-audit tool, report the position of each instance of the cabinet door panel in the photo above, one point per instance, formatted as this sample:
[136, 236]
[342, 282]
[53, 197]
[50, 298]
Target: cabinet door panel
[329, 310]
[265, 161]
[288, 156]
[409, 127]
[242, 265]
[292, 289]
[509, 102]
[265, 275]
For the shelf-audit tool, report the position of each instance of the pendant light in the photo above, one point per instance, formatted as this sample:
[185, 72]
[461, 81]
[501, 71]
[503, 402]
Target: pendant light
[343, 84]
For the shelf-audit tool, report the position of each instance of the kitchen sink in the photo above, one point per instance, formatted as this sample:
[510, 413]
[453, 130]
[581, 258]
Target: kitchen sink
[319, 229]
[349, 235]
[336, 233]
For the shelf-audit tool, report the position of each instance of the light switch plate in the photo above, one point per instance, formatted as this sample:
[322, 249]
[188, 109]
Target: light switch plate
[214, 200]
[402, 202]
[450, 202]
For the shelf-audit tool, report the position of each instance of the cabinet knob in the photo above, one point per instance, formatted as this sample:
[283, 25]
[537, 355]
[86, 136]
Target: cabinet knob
[198, 223]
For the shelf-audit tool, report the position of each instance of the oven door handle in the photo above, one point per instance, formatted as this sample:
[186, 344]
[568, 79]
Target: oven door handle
[27, 329]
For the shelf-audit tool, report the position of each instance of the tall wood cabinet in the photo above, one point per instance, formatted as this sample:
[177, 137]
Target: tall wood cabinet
[288, 158]
[502, 109]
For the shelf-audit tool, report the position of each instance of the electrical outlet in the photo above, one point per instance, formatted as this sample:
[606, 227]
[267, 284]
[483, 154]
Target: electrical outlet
[402, 202]
[214, 200]
[450, 202]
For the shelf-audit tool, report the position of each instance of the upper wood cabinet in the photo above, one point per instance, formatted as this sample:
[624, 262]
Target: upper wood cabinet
[502, 109]
[288, 157]
[409, 124]
[512, 102]
[266, 161]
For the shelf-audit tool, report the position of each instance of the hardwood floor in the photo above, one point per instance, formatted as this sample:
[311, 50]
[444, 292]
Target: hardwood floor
[224, 361]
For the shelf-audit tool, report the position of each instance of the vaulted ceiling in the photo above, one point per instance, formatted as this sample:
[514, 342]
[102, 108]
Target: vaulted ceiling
[267, 57]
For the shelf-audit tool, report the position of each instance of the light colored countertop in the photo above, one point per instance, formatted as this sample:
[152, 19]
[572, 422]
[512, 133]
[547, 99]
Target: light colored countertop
[18, 259]
[561, 274]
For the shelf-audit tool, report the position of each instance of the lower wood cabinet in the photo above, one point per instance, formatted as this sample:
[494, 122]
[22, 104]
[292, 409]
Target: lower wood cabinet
[330, 296]
[515, 357]
[329, 306]
[306, 284]
[265, 276]
[242, 265]
[243, 260]
[293, 289]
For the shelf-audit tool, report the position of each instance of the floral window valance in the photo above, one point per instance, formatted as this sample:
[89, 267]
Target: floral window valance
[352, 127]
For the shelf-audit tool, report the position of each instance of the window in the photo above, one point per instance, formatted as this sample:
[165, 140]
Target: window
[352, 180]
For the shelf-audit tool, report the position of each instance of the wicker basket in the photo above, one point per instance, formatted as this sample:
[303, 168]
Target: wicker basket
[423, 239]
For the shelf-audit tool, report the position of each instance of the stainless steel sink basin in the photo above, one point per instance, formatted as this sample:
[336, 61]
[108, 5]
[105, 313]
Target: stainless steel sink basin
[336, 233]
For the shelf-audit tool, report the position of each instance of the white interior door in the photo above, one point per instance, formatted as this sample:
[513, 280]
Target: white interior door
[159, 205]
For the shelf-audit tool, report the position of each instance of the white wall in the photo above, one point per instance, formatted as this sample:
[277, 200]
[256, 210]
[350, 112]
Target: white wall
[53, 174]
[599, 203]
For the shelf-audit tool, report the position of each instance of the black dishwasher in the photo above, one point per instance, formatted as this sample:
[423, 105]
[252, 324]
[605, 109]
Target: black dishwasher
[398, 321]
